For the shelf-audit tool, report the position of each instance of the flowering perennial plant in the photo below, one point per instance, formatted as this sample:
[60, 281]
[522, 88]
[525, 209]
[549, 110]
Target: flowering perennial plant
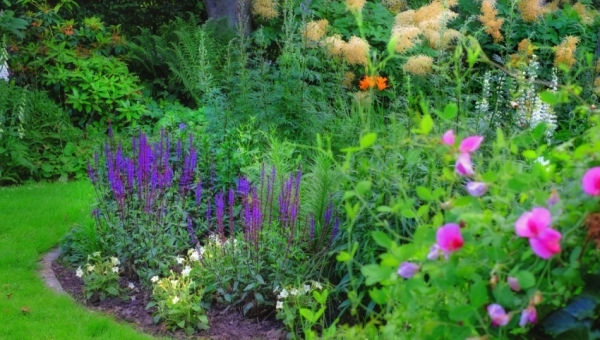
[100, 277]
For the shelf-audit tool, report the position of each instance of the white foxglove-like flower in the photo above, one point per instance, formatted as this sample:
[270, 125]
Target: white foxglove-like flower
[186, 271]
[115, 261]
[306, 288]
[284, 293]
[79, 272]
[174, 283]
[179, 260]
[90, 268]
[279, 305]
[154, 279]
[175, 300]
[115, 269]
[294, 292]
[317, 285]
[4, 71]
[195, 256]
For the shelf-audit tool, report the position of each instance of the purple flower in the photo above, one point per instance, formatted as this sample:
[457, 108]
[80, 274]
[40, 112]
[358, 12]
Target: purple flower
[498, 315]
[181, 126]
[198, 193]
[528, 315]
[476, 189]
[513, 283]
[408, 270]
[434, 252]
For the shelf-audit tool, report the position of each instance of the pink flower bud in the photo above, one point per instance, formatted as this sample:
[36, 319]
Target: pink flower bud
[464, 166]
[591, 181]
[470, 144]
[546, 244]
[513, 283]
[408, 270]
[449, 238]
[448, 137]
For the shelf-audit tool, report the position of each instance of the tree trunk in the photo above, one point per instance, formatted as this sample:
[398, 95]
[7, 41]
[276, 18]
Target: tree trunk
[235, 11]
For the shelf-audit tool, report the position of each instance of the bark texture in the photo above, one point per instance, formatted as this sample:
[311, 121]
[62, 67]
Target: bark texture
[235, 11]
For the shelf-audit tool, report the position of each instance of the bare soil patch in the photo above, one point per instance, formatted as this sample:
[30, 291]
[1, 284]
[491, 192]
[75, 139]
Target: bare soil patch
[225, 324]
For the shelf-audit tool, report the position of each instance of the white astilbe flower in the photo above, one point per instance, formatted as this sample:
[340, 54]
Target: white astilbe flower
[186, 271]
[3, 61]
[194, 256]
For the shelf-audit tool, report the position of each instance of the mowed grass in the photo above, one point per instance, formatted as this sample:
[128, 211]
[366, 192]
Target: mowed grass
[33, 219]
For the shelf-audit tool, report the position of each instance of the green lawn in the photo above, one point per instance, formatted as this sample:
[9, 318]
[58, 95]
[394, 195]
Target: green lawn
[33, 218]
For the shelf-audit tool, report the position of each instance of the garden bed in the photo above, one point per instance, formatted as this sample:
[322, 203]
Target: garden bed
[225, 324]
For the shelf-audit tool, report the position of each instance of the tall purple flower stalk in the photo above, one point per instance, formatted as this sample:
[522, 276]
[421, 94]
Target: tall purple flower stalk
[220, 209]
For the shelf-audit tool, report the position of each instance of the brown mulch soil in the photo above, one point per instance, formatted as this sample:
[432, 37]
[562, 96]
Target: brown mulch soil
[224, 324]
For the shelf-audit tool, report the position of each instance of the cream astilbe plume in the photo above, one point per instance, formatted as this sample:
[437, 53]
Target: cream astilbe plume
[432, 20]
[406, 37]
[394, 5]
[441, 39]
[348, 79]
[551, 6]
[355, 5]
[489, 20]
[406, 18]
[266, 9]
[530, 10]
[356, 51]
[419, 65]
[587, 16]
[564, 53]
[526, 47]
[315, 30]
[334, 45]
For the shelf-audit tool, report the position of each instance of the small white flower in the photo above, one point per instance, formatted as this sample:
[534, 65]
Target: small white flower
[131, 285]
[201, 251]
[306, 288]
[317, 285]
[174, 283]
[195, 256]
[115, 261]
[294, 291]
[175, 300]
[279, 305]
[96, 254]
[115, 269]
[154, 279]
[179, 260]
[90, 268]
[186, 271]
[284, 293]
[79, 272]
[544, 162]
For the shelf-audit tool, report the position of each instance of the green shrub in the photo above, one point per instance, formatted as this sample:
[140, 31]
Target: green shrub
[38, 140]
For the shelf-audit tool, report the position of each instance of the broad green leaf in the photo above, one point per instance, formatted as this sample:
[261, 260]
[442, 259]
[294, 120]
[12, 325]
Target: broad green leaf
[549, 97]
[460, 313]
[424, 193]
[526, 279]
[343, 256]
[368, 140]
[426, 124]
[375, 273]
[382, 239]
[478, 294]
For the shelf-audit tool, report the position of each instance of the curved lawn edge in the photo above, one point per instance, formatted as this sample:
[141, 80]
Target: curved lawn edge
[33, 219]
